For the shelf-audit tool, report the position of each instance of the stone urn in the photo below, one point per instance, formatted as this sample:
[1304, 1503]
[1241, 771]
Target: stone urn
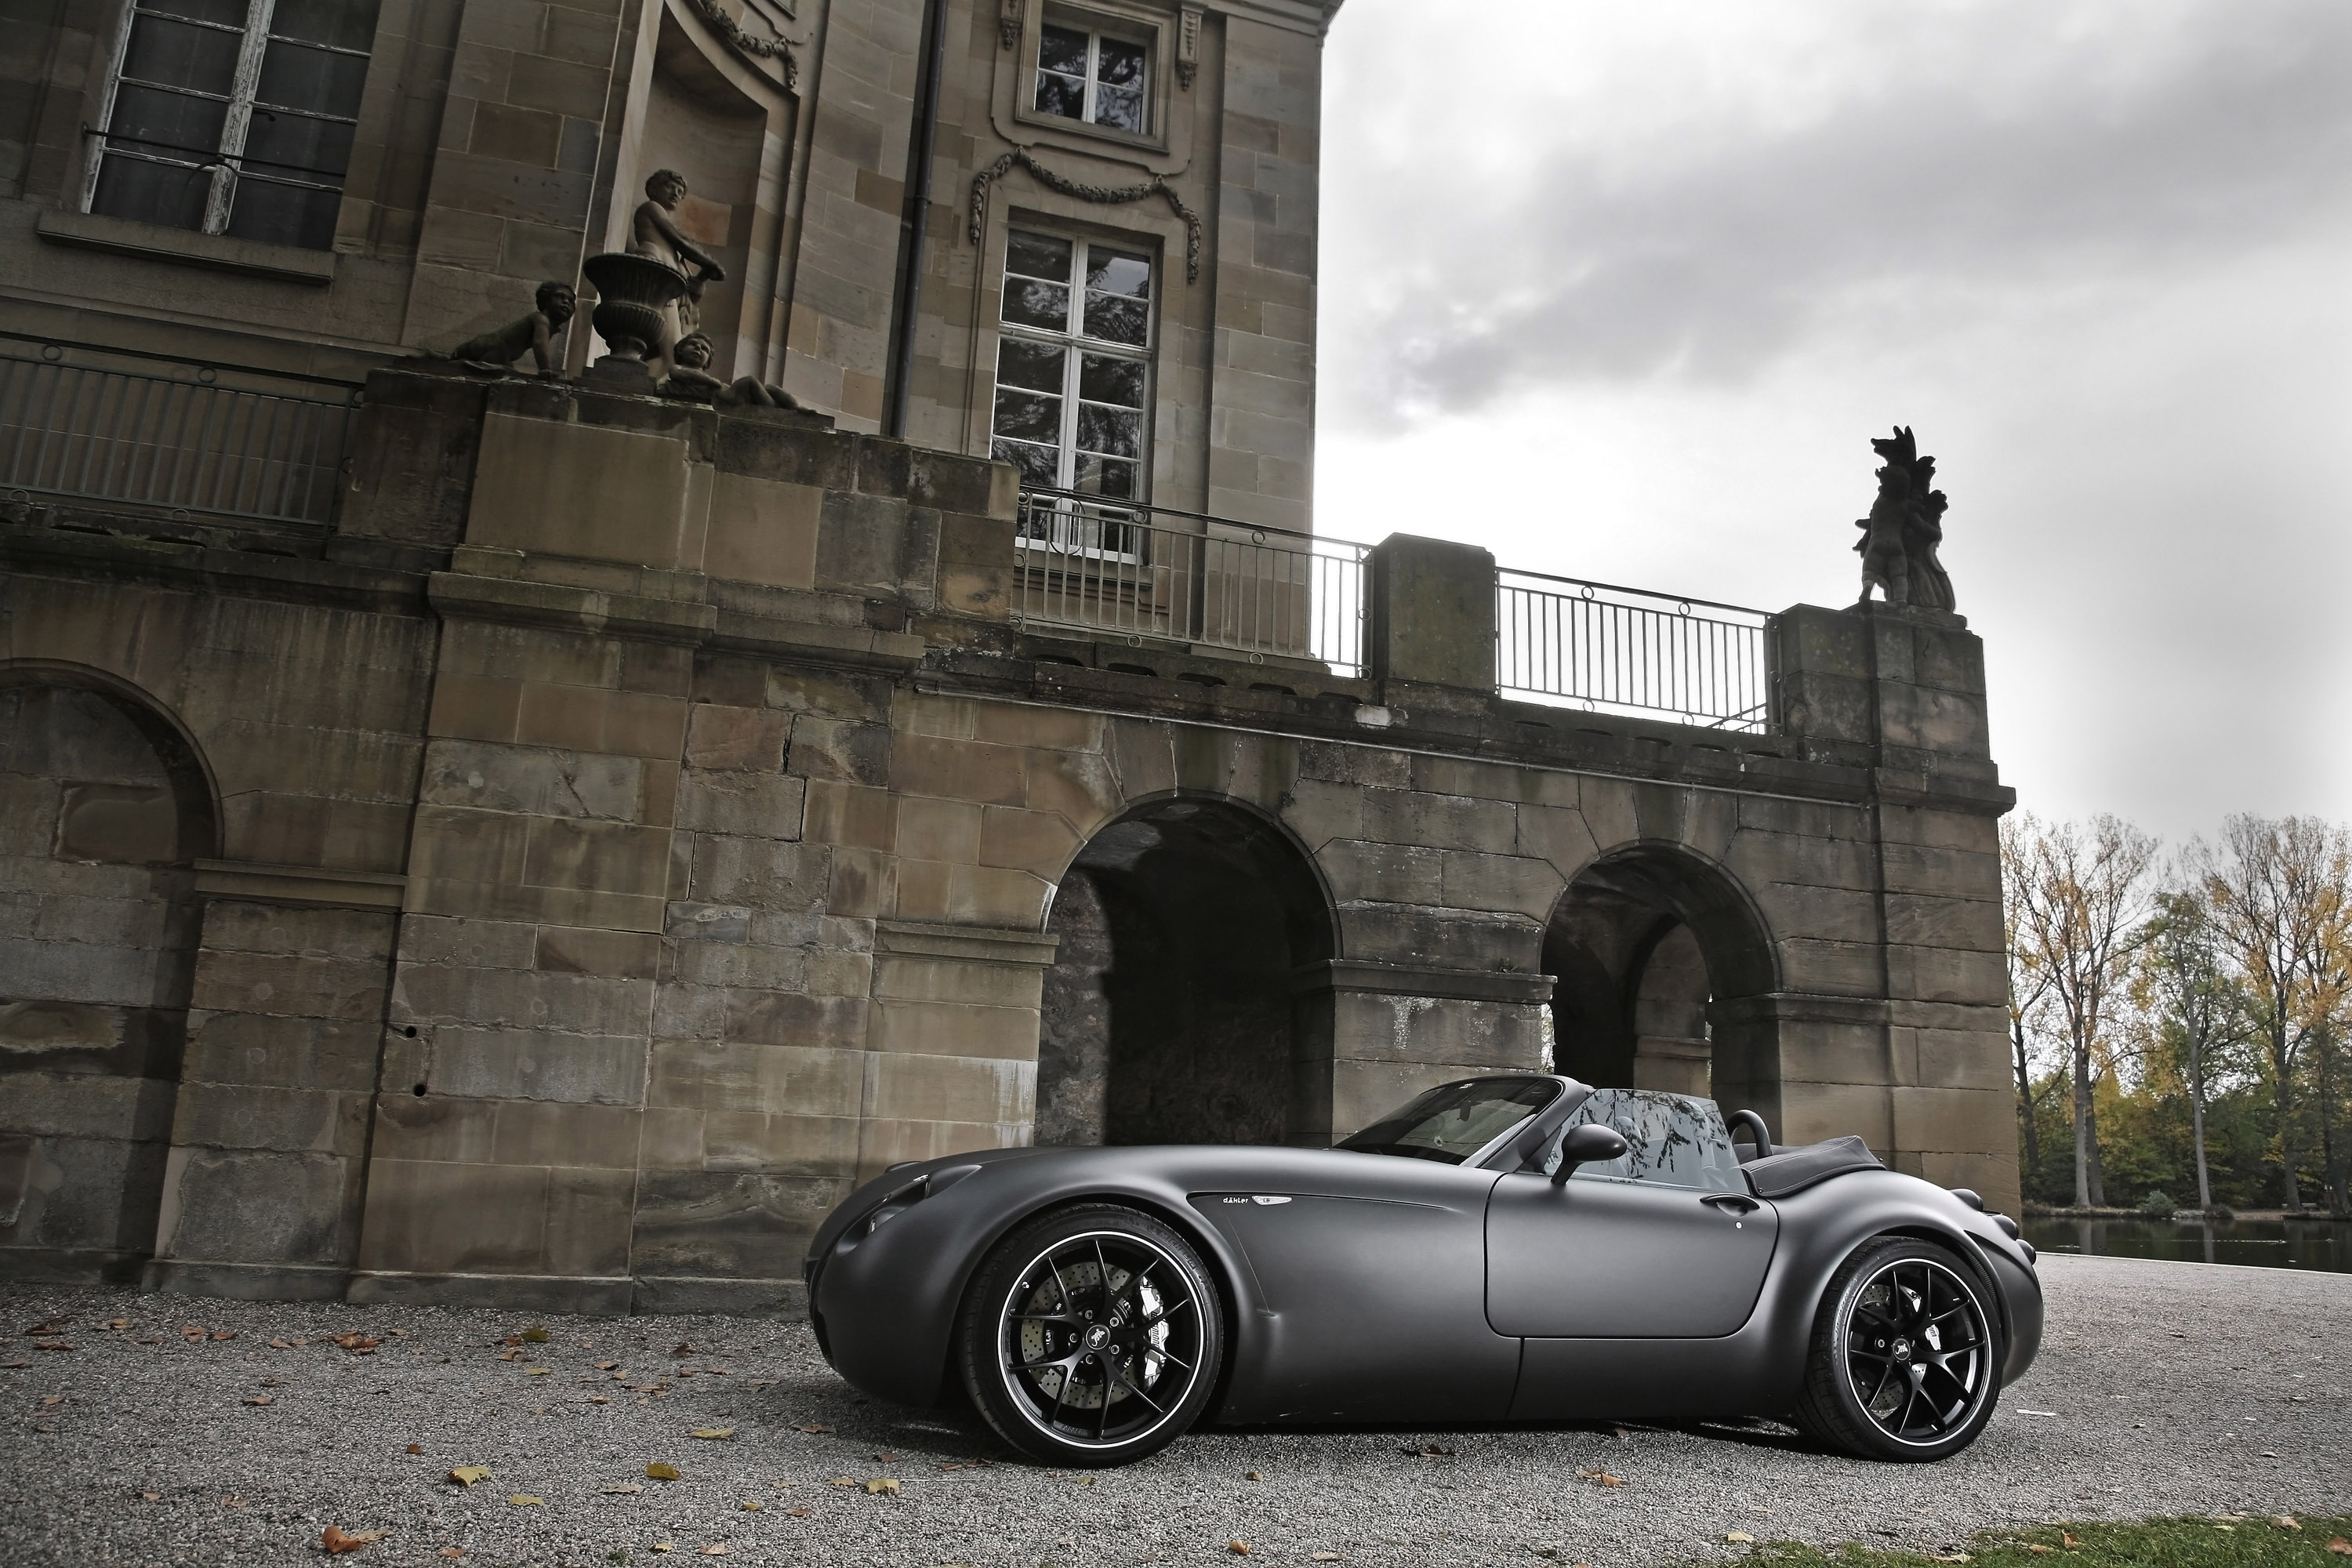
[633, 294]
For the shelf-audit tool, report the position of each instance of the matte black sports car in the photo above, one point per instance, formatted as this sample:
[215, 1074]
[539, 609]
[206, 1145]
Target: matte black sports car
[1519, 1248]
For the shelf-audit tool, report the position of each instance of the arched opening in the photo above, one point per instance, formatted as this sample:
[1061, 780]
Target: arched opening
[103, 806]
[1169, 1014]
[1647, 943]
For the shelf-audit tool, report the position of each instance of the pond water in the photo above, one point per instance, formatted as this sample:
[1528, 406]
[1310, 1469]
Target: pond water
[2317, 1244]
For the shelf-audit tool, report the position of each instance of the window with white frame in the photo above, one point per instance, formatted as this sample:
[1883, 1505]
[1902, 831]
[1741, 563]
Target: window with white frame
[235, 117]
[1074, 364]
[1099, 78]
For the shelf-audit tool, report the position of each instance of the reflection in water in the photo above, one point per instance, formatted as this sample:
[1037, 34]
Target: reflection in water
[2325, 1244]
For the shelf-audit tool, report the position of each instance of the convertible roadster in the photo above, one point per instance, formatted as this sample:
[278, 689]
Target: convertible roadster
[1503, 1248]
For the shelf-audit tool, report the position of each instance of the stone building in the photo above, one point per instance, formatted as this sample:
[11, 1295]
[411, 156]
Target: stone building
[477, 836]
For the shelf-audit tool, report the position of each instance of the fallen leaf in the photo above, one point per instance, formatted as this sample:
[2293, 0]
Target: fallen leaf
[357, 1343]
[49, 1399]
[715, 1549]
[190, 1332]
[534, 1335]
[812, 1426]
[52, 1345]
[881, 1484]
[537, 1371]
[279, 1345]
[223, 1334]
[334, 1539]
[751, 1507]
[721, 1433]
[453, 1551]
[524, 1499]
[2339, 1545]
[1252, 1476]
[606, 1365]
[2066, 1538]
[627, 1489]
[2283, 1523]
[796, 1513]
[48, 1326]
[1238, 1548]
[1601, 1478]
[661, 1472]
[152, 1497]
[840, 1481]
[467, 1475]
[684, 1350]
[886, 1458]
[258, 1399]
[1738, 1536]
[14, 1365]
[118, 1322]
[232, 1502]
[661, 1546]
[416, 1447]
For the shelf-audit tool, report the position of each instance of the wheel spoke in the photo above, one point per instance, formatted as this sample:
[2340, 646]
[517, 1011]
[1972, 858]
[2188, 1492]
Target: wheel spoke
[1138, 1389]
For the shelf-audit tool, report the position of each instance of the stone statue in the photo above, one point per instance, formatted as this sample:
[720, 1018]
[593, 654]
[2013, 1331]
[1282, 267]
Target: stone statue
[1905, 525]
[690, 376]
[654, 234]
[535, 334]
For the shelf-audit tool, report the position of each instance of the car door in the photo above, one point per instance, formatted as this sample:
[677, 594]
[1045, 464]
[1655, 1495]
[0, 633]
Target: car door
[1664, 1244]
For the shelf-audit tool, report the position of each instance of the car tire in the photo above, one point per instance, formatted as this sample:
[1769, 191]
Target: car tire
[1906, 1356]
[1091, 1336]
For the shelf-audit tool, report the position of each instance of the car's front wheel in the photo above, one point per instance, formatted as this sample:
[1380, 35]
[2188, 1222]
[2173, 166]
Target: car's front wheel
[1092, 1336]
[1906, 1356]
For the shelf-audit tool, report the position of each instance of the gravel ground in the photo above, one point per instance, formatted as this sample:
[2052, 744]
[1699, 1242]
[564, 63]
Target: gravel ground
[2162, 1388]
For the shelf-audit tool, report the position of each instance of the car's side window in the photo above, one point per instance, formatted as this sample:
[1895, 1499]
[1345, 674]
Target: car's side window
[1672, 1140]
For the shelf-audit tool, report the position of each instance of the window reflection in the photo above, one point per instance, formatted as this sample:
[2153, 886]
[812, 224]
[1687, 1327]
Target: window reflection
[1099, 78]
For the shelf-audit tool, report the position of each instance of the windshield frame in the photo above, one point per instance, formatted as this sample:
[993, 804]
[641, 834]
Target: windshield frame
[1566, 1092]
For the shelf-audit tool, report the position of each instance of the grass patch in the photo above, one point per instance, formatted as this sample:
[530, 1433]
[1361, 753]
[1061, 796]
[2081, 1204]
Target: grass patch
[2222, 1541]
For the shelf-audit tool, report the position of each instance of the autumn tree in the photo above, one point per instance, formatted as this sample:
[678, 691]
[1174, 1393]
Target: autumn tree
[2280, 894]
[2080, 908]
[2029, 985]
[2185, 981]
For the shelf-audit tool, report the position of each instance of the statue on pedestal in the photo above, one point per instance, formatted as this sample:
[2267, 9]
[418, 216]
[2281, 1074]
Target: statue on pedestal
[654, 234]
[1906, 523]
[534, 334]
[690, 376]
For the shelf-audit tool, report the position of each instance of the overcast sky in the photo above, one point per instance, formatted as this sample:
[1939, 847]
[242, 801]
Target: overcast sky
[1622, 291]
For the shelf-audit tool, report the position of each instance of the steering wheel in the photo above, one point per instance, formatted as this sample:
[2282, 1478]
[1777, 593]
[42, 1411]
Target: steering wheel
[1755, 1124]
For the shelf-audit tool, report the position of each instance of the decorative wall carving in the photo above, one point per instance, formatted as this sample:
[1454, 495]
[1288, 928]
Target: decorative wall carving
[1108, 195]
[1188, 45]
[731, 32]
[1008, 22]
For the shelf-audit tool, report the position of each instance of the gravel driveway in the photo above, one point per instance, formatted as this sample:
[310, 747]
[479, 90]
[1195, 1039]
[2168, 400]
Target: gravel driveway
[2164, 1387]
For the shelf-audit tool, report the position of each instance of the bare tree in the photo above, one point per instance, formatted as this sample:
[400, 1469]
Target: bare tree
[2188, 984]
[2081, 907]
[2280, 895]
[2029, 983]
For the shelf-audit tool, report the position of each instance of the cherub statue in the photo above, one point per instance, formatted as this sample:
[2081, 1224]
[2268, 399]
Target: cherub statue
[1906, 523]
[690, 376]
[654, 234]
[535, 334]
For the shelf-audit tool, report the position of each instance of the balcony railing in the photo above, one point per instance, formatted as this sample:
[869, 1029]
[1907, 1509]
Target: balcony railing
[1623, 651]
[1148, 572]
[113, 426]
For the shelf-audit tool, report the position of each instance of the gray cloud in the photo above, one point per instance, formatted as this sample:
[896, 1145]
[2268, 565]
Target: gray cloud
[2004, 151]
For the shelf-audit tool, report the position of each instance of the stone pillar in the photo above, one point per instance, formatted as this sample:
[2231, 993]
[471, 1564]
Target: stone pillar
[1431, 621]
[1904, 691]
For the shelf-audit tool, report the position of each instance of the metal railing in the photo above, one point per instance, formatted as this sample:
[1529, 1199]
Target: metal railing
[1625, 650]
[1145, 572]
[110, 424]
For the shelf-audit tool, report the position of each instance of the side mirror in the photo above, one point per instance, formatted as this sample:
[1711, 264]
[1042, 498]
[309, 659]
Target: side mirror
[1588, 1143]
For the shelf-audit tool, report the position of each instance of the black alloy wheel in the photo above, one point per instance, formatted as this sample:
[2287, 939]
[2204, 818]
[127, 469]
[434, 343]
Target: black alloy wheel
[1092, 1336]
[1905, 1361]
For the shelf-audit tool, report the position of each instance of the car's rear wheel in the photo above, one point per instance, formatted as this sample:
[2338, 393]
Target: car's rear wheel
[1092, 1336]
[1906, 1359]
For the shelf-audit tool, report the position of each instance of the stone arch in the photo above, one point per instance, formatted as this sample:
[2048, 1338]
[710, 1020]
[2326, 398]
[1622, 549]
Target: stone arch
[105, 805]
[1648, 942]
[1171, 1012]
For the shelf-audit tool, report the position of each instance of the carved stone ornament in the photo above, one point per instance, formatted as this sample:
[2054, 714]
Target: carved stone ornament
[1108, 195]
[1008, 23]
[1906, 523]
[731, 33]
[1188, 45]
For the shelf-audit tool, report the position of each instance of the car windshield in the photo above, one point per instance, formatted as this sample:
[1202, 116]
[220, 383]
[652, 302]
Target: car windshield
[1672, 1140]
[1454, 1120]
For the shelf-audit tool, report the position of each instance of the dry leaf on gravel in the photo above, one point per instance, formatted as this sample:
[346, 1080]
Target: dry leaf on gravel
[684, 1350]
[658, 1472]
[1601, 1477]
[537, 1371]
[259, 1399]
[53, 1345]
[628, 1488]
[534, 1335]
[467, 1475]
[232, 1502]
[453, 1551]
[117, 1323]
[881, 1484]
[49, 1399]
[1737, 1537]
[223, 1334]
[796, 1513]
[1431, 1451]
[358, 1344]
[1238, 1548]
[279, 1345]
[841, 1481]
[14, 1365]
[152, 1497]
[48, 1326]
[335, 1540]
[524, 1499]
[606, 1365]
[416, 1447]
[715, 1549]
[2339, 1545]
[812, 1426]
[714, 1434]
[751, 1507]
[886, 1458]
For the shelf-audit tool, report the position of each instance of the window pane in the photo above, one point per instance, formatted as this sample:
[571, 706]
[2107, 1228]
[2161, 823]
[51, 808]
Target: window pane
[297, 144]
[1105, 477]
[152, 193]
[284, 215]
[1102, 379]
[1670, 1139]
[1119, 63]
[1032, 365]
[345, 23]
[1062, 95]
[1120, 108]
[176, 55]
[1028, 416]
[168, 119]
[1038, 256]
[1114, 319]
[1062, 50]
[1040, 465]
[1037, 304]
[230, 11]
[1114, 432]
[1454, 1120]
[293, 77]
[1112, 271]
